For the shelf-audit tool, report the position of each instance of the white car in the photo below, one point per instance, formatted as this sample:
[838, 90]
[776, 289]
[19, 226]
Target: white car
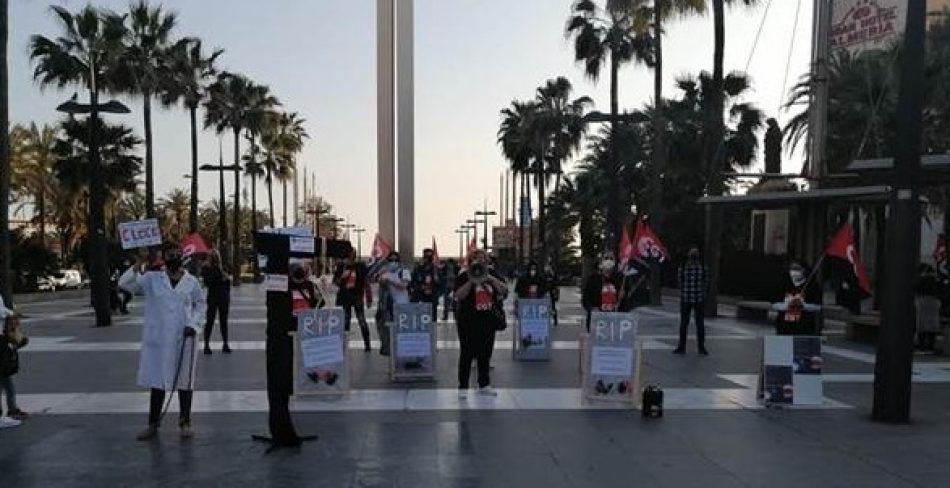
[70, 279]
[47, 283]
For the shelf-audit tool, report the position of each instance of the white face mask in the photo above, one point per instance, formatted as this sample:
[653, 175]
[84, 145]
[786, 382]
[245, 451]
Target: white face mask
[607, 265]
[797, 277]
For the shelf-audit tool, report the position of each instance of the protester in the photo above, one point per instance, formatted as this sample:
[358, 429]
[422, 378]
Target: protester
[174, 308]
[801, 294]
[350, 279]
[604, 291]
[218, 283]
[394, 281]
[425, 282]
[11, 342]
[447, 275]
[635, 291]
[480, 292]
[531, 284]
[303, 292]
[694, 281]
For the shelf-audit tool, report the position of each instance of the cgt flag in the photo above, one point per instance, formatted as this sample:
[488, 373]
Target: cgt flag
[627, 250]
[842, 247]
[435, 254]
[647, 245]
[193, 244]
[378, 255]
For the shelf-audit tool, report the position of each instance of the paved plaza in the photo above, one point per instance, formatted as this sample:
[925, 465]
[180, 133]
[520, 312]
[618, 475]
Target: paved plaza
[79, 383]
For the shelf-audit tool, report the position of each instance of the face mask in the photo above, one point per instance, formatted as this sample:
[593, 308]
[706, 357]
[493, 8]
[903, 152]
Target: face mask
[533, 272]
[607, 265]
[173, 263]
[299, 274]
[798, 278]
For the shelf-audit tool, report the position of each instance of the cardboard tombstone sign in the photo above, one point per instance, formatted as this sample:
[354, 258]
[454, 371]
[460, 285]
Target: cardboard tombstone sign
[413, 342]
[614, 358]
[532, 337]
[791, 371]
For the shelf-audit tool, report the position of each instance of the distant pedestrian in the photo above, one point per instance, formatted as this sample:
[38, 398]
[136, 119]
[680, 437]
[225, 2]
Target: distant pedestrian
[218, 282]
[447, 275]
[425, 282]
[693, 281]
[354, 294]
[174, 308]
[555, 291]
[480, 292]
[531, 284]
[11, 342]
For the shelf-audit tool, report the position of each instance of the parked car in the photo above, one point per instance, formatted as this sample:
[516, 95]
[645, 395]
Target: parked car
[47, 283]
[72, 279]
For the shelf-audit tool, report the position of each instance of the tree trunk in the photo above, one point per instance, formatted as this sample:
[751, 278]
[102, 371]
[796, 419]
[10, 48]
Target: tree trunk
[6, 274]
[254, 264]
[542, 237]
[659, 152]
[530, 254]
[270, 196]
[613, 197]
[514, 197]
[41, 206]
[521, 241]
[714, 127]
[236, 245]
[284, 183]
[193, 215]
[149, 176]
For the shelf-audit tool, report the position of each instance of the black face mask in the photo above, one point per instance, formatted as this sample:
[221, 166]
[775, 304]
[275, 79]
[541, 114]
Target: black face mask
[173, 263]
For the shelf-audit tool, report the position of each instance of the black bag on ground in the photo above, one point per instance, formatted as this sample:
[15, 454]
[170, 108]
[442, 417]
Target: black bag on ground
[652, 402]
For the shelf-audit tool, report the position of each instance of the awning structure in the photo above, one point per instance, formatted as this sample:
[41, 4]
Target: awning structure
[783, 199]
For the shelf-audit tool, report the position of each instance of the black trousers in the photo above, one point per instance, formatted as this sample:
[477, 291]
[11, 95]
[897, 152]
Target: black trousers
[696, 309]
[477, 342]
[280, 384]
[348, 309]
[157, 401]
[217, 307]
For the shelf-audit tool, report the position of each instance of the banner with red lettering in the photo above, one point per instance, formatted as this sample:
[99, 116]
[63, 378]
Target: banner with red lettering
[647, 244]
[859, 25]
[140, 233]
[193, 244]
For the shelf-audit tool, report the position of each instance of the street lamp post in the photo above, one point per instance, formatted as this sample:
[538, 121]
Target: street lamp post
[485, 214]
[348, 228]
[316, 213]
[334, 221]
[97, 242]
[222, 211]
[461, 233]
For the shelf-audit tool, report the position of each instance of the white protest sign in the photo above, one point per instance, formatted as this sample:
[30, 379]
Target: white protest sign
[303, 245]
[614, 357]
[322, 339]
[532, 340]
[276, 282]
[791, 370]
[140, 233]
[413, 339]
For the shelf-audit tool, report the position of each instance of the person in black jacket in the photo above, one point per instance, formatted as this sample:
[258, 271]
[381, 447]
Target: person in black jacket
[218, 283]
[480, 292]
[604, 291]
[800, 290]
[532, 284]
[425, 282]
[350, 278]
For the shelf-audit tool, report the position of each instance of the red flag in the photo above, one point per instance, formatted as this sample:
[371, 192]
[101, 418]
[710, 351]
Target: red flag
[626, 247]
[193, 244]
[940, 249]
[842, 247]
[472, 247]
[435, 254]
[647, 244]
[381, 248]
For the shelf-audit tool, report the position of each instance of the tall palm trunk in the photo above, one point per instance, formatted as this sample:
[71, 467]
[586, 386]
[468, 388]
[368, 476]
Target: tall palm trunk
[193, 215]
[514, 197]
[41, 207]
[659, 150]
[254, 201]
[149, 176]
[270, 195]
[613, 212]
[521, 211]
[713, 149]
[236, 244]
[6, 275]
[530, 254]
[542, 237]
[284, 183]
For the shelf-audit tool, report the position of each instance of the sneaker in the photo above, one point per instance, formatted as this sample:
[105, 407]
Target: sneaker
[463, 393]
[487, 391]
[8, 422]
[207, 351]
[703, 351]
[679, 350]
[150, 432]
[226, 349]
[19, 414]
[184, 428]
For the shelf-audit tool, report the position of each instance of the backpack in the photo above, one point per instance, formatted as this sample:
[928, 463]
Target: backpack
[9, 358]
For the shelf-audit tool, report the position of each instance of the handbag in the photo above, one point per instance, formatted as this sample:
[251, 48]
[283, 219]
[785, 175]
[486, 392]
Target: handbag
[499, 322]
[9, 358]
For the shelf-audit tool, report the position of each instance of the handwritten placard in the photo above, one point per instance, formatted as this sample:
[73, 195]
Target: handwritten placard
[140, 233]
[533, 338]
[323, 366]
[413, 339]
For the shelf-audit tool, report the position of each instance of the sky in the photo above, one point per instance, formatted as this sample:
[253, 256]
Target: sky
[472, 58]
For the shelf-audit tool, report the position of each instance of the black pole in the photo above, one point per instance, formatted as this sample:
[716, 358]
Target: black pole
[6, 268]
[236, 245]
[193, 214]
[895, 348]
[98, 252]
[222, 216]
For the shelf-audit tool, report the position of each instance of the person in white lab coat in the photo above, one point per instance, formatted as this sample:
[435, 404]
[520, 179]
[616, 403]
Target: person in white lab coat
[174, 308]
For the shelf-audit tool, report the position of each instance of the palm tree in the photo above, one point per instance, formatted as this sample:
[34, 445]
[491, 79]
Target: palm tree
[142, 66]
[558, 128]
[615, 34]
[663, 11]
[32, 163]
[283, 139]
[175, 210]
[6, 274]
[85, 54]
[226, 109]
[190, 74]
[254, 169]
[515, 141]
